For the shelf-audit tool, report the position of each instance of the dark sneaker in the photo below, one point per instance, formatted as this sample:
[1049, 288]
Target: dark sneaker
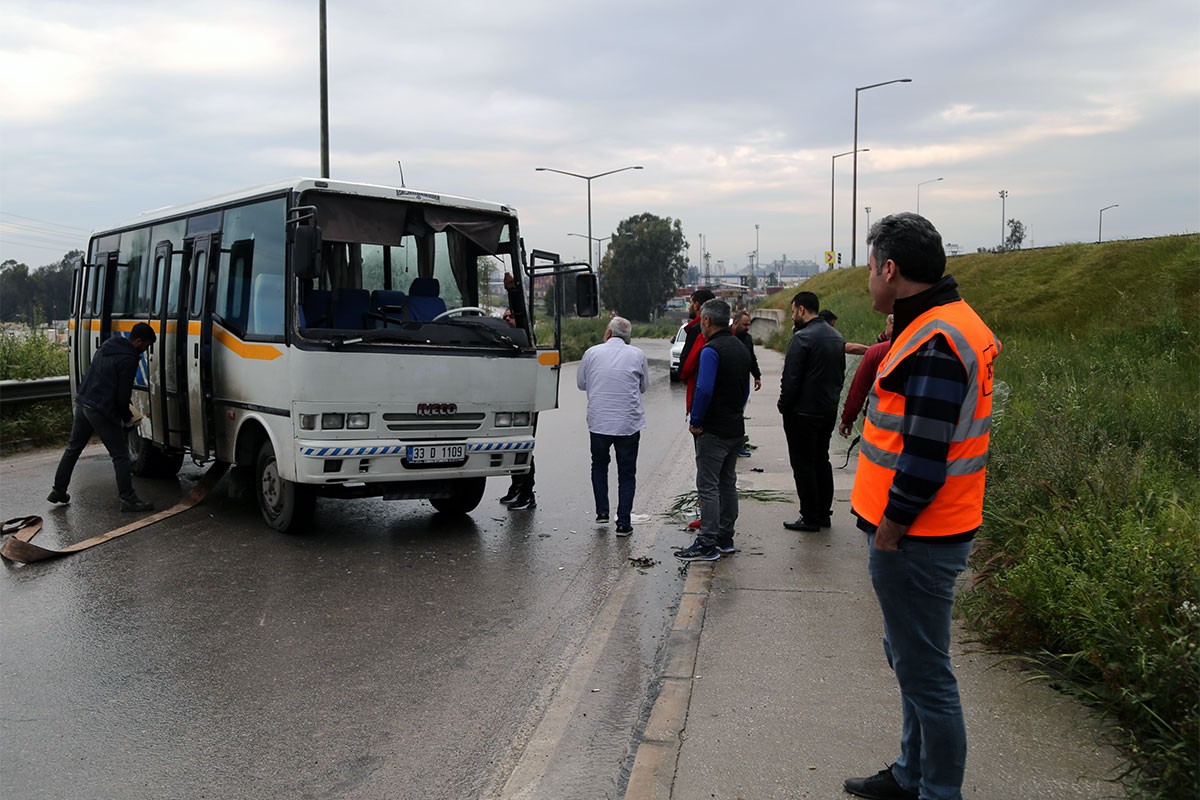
[136, 504]
[726, 548]
[624, 530]
[802, 525]
[602, 519]
[56, 496]
[880, 786]
[510, 495]
[744, 452]
[698, 552]
[523, 503]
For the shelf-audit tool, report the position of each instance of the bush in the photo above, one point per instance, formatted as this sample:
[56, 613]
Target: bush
[26, 358]
[32, 356]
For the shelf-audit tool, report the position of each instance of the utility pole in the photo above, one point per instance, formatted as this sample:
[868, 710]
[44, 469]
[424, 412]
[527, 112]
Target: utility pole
[324, 97]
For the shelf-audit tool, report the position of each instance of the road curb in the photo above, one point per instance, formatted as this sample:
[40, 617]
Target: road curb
[653, 771]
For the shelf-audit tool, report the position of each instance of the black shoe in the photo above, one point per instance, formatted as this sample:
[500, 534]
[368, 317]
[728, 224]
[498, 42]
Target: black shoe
[624, 530]
[698, 552]
[511, 495]
[825, 522]
[137, 504]
[726, 548]
[602, 519]
[56, 496]
[880, 786]
[523, 503]
[802, 525]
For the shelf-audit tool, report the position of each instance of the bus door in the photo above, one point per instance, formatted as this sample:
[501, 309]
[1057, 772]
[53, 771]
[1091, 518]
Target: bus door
[93, 322]
[168, 366]
[199, 341]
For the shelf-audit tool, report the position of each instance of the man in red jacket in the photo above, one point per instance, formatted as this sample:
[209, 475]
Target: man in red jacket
[693, 343]
[864, 376]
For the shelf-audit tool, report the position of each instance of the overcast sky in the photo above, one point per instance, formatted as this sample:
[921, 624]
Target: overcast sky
[733, 109]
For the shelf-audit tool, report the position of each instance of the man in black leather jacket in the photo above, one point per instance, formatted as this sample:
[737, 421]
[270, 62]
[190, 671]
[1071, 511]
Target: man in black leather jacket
[814, 370]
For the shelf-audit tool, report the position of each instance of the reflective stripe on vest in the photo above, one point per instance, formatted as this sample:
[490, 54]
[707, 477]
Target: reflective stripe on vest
[958, 505]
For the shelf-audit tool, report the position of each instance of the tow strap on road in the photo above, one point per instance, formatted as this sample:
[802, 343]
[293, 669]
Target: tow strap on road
[17, 547]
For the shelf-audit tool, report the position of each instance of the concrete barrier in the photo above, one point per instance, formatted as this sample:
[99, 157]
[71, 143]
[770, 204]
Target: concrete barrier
[765, 322]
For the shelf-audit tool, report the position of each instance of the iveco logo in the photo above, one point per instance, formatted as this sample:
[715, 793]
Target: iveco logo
[436, 409]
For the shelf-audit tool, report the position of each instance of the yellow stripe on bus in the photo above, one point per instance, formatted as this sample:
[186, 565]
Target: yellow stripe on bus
[548, 359]
[261, 352]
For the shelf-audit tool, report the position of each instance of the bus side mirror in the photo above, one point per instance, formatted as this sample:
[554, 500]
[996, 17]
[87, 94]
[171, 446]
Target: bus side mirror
[306, 251]
[587, 295]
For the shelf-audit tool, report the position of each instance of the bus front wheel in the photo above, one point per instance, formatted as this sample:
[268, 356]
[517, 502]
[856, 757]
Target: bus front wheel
[465, 494]
[286, 506]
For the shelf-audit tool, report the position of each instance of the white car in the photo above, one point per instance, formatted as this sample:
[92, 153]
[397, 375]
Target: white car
[677, 350]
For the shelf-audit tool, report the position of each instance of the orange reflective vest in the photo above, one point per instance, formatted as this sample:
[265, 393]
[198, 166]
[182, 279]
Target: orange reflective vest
[958, 506]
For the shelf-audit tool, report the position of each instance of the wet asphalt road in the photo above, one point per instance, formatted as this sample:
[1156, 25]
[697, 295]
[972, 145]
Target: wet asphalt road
[389, 653]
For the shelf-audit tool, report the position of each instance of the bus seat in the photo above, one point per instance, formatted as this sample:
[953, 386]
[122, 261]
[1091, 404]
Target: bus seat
[423, 299]
[318, 308]
[349, 305]
[388, 298]
[266, 304]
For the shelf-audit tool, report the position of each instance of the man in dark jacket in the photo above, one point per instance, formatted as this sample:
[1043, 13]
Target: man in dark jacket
[719, 430]
[102, 408]
[813, 372]
[520, 496]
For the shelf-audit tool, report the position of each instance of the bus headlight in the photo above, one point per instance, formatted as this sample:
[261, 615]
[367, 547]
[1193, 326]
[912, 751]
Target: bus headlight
[504, 419]
[333, 421]
[521, 419]
[358, 421]
[308, 422]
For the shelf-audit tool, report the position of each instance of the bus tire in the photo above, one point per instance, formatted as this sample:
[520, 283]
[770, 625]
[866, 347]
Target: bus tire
[148, 460]
[286, 506]
[465, 494]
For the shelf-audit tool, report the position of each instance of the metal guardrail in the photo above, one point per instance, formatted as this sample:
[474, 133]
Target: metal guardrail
[17, 392]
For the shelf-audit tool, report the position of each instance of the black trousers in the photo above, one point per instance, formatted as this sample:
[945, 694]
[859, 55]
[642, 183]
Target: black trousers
[88, 421]
[808, 438]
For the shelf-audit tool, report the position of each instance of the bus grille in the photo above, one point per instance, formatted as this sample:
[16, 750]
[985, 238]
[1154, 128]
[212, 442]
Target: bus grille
[412, 423]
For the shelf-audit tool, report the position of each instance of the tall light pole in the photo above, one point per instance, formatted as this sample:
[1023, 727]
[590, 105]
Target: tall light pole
[754, 269]
[589, 179]
[832, 164]
[324, 95]
[854, 192]
[868, 210]
[919, 185]
[590, 240]
[1003, 198]
[1100, 231]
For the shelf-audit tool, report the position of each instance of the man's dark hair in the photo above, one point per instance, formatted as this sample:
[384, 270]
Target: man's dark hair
[717, 312]
[702, 296]
[912, 243]
[144, 332]
[827, 315]
[808, 300]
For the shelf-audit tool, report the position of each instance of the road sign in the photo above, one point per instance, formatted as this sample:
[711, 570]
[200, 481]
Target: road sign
[829, 256]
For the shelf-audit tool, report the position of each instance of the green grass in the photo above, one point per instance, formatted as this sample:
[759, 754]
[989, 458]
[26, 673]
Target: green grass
[580, 334]
[24, 358]
[1088, 564]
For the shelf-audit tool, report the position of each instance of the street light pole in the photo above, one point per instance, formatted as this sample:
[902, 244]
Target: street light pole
[868, 220]
[324, 95]
[854, 191]
[919, 185]
[754, 269]
[1100, 231]
[589, 179]
[832, 164]
[590, 240]
[1003, 198]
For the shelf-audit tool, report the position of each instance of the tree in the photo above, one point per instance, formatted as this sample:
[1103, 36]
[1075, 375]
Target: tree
[1016, 235]
[38, 295]
[646, 262]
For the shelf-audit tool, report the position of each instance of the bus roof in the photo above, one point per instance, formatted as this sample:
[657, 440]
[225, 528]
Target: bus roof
[301, 185]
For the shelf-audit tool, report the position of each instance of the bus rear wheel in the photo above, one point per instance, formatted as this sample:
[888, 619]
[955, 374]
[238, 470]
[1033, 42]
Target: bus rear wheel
[148, 460]
[465, 494]
[286, 506]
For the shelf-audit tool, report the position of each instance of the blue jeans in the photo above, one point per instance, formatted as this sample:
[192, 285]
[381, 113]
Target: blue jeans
[626, 448]
[915, 588]
[716, 487]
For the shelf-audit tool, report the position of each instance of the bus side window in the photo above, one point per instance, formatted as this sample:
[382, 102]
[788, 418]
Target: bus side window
[234, 300]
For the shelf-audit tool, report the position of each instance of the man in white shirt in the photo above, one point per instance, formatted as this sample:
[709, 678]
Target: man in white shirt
[615, 375]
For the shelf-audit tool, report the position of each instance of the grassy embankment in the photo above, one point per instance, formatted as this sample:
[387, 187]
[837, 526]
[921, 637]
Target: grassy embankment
[1087, 564]
[22, 358]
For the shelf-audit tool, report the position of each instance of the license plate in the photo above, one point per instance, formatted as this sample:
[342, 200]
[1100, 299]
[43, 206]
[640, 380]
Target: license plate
[436, 453]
